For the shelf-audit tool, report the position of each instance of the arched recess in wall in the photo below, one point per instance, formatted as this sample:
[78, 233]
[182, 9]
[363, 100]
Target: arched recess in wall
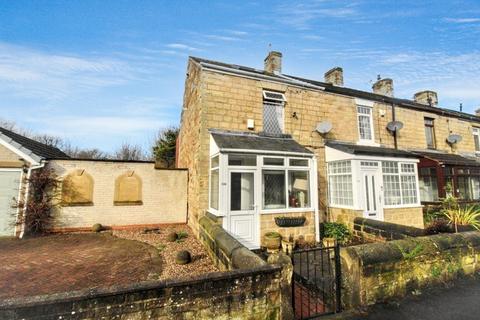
[128, 190]
[77, 189]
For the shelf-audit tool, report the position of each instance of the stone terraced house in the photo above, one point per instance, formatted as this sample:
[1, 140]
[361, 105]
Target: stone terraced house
[260, 144]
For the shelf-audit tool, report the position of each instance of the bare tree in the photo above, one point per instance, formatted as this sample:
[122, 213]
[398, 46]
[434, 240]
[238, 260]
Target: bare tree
[49, 140]
[129, 152]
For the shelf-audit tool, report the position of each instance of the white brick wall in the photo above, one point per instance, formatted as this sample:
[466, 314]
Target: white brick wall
[164, 195]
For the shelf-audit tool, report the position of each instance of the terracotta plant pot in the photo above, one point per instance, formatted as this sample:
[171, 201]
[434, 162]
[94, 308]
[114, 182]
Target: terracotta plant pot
[273, 241]
[287, 246]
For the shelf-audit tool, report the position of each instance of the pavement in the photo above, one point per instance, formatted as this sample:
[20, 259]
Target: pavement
[458, 300]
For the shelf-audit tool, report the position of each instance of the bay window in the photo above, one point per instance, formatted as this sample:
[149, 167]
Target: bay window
[399, 183]
[340, 183]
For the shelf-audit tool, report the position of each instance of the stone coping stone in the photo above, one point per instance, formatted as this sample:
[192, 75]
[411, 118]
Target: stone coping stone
[116, 291]
[389, 227]
[393, 251]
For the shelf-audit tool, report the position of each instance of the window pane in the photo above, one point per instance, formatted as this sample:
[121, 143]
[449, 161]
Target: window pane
[241, 191]
[214, 162]
[272, 117]
[298, 189]
[273, 189]
[339, 167]
[477, 142]
[364, 127]
[242, 160]
[407, 168]
[428, 188]
[273, 161]
[389, 167]
[299, 162]
[392, 194]
[214, 186]
[429, 133]
[409, 189]
[340, 187]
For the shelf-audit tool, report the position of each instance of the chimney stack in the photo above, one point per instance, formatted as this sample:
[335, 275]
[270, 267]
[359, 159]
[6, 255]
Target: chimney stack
[273, 62]
[427, 97]
[477, 112]
[383, 87]
[334, 76]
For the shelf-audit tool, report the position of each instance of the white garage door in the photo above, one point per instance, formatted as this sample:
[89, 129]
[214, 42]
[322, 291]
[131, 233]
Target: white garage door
[9, 184]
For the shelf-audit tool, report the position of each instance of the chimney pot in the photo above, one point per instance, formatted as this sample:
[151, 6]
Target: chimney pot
[273, 62]
[334, 76]
[383, 87]
[427, 97]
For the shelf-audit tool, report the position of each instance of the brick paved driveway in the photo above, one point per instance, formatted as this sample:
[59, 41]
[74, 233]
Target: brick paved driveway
[68, 262]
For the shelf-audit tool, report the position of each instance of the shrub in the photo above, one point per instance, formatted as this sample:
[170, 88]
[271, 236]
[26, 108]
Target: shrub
[462, 216]
[181, 235]
[438, 226]
[97, 227]
[183, 257]
[43, 198]
[273, 234]
[336, 230]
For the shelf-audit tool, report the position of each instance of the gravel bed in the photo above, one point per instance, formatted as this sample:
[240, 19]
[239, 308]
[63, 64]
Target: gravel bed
[201, 262]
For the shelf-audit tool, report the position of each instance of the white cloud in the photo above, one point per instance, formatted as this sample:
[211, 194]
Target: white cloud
[222, 38]
[181, 46]
[30, 73]
[462, 20]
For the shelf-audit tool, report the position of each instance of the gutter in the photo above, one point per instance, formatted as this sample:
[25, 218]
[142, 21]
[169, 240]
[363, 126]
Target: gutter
[255, 76]
[27, 193]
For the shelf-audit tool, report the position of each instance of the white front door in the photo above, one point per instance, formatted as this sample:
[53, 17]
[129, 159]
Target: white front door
[9, 187]
[242, 219]
[372, 193]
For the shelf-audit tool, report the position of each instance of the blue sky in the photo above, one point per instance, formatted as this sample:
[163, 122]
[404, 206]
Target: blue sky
[100, 73]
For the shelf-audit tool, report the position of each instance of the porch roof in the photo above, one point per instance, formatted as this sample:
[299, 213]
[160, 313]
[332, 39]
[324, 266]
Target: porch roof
[243, 141]
[369, 150]
[449, 159]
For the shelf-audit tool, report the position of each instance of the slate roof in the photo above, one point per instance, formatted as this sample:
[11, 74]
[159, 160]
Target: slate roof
[406, 103]
[369, 150]
[39, 149]
[251, 141]
[449, 158]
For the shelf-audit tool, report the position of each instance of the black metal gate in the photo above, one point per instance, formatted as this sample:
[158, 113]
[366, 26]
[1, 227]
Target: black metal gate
[316, 282]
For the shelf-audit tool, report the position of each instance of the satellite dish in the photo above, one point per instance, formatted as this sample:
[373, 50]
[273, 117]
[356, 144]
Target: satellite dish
[394, 126]
[324, 127]
[454, 138]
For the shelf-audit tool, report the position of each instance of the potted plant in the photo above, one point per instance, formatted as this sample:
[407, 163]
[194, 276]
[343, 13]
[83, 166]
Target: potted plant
[288, 244]
[273, 241]
[286, 221]
[334, 231]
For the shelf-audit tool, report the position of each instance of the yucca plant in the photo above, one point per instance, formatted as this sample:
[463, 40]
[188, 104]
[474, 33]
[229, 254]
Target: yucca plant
[468, 215]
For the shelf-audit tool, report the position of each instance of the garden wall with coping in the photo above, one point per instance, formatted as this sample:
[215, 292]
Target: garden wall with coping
[239, 294]
[378, 272]
[226, 251]
[381, 231]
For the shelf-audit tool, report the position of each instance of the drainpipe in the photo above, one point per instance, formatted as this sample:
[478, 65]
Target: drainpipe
[317, 218]
[394, 132]
[27, 191]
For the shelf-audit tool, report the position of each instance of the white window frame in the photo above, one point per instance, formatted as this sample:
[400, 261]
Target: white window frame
[274, 101]
[476, 132]
[400, 174]
[19, 194]
[372, 133]
[354, 187]
[286, 168]
[214, 211]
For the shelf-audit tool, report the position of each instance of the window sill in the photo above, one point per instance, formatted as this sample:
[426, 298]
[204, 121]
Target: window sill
[216, 213]
[78, 204]
[127, 203]
[286, 210]
[368, 143]
[403, 206]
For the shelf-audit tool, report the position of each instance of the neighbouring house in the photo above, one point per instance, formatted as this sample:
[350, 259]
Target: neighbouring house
[260, 144]
[116, 194]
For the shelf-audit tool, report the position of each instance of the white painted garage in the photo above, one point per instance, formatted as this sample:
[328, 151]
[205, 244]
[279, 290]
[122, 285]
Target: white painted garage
[9, 193]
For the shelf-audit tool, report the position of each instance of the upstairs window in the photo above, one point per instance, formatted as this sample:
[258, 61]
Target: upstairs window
[365, 127]
[476, 139]
[273, 105]
[430, 133]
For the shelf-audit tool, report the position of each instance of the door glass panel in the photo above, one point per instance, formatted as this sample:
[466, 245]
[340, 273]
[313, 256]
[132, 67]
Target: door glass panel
[367, 194]
[241, 191]
[374, 198]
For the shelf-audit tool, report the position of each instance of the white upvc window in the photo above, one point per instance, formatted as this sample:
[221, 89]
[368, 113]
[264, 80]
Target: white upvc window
[400, 183]
[365, 123]
[273, 112]
[476, 139]
[340, 183]
[214, 182]
[285, 184]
